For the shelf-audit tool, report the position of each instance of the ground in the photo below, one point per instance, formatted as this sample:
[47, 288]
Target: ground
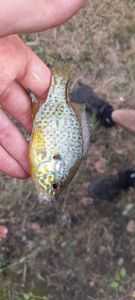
[76, 249]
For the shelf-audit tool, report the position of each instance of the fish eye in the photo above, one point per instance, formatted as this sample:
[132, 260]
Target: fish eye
[55, 186]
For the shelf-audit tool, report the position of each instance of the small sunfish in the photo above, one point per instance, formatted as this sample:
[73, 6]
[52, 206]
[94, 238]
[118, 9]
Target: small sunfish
[60, 136]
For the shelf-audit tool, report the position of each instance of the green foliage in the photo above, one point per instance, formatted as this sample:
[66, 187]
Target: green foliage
[85, 60]
[27, 38]
[131, 28]
[93, 121]
[122, 272]
[131, 67]
[120, 87]
[117, 282]
[30, 296]
[94, 126]
[45, 55]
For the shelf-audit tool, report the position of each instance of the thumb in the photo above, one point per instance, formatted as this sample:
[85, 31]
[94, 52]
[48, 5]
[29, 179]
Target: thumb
[32, 16]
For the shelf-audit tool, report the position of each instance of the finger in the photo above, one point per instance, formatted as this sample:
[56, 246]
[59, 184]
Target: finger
[16, 102]
[125, 118]
[13, 142]
[10, 166]
[19, 62]
[32, 16]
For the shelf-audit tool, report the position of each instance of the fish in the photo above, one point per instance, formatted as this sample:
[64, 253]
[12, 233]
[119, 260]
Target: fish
[60, 136]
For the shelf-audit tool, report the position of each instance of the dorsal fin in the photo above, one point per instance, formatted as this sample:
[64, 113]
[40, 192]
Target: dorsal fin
[85, 128]
[85, 132]
[81, 114]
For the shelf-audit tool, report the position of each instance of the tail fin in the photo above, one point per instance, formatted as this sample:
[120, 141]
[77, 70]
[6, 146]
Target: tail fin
[62, 68]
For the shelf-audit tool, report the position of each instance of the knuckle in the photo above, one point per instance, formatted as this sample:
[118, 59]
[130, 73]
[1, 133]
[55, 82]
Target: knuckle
[13, 52]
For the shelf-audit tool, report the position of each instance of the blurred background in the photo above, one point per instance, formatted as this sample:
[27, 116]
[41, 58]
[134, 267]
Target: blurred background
[75, 249]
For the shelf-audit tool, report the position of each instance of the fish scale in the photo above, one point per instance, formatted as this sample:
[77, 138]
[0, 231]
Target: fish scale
[56, 146]
[68, 140]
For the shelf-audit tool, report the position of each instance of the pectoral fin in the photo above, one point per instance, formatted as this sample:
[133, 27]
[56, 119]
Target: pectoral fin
[35, 104]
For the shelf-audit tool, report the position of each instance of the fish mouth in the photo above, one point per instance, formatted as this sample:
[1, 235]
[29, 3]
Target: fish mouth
[45, 198]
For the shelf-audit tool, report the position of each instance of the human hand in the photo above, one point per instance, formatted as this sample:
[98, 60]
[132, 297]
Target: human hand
[125, 118]
[20, 70]
[30, 15]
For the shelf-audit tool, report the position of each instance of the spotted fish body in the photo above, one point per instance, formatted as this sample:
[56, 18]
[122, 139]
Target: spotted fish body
[57, 143]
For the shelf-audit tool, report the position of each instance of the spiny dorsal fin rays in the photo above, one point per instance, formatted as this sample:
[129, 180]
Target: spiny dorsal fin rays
[76, 108]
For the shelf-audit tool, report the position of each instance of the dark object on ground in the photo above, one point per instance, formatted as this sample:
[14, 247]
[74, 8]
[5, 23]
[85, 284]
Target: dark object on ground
[82, 93]
[104, 188]
[108, 187]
